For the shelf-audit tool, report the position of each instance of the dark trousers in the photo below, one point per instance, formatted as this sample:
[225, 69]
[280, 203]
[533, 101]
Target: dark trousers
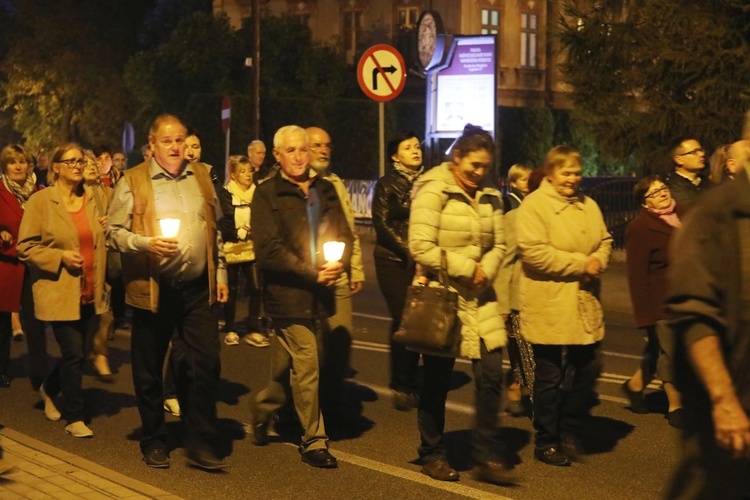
[188, 312]
[36, 336]
[249, 271]
[6, 332]
[394, 278]
[75, 339]
[117, 298]
[431, 411]
[488, 384]
[562, 390]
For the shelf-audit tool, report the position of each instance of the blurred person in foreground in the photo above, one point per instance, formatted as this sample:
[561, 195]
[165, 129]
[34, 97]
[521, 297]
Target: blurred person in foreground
[647, 240]
[62, 240]
[394, 267]
[456, 211]
[565, 247]
[335, 341]
[17, 185]
[172, 281]
[709, 300]
[294, 214]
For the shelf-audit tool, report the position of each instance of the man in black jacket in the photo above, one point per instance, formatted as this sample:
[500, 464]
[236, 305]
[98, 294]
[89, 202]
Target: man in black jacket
[294, 213]
[686, 180]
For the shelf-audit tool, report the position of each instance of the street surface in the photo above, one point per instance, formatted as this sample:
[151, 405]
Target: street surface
[630, 456]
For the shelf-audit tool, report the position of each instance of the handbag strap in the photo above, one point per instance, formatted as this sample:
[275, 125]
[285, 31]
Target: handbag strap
[443, 272]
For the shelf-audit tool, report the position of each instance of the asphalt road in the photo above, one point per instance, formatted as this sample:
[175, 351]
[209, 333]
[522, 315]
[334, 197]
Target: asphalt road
[630, 456]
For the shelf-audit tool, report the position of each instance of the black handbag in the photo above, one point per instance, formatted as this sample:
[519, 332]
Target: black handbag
[429, 323]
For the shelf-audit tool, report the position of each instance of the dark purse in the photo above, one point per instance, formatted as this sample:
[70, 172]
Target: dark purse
[428, 324]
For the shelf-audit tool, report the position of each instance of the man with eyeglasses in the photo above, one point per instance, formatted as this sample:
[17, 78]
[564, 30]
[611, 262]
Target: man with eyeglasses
[687, 180]
[337, 337]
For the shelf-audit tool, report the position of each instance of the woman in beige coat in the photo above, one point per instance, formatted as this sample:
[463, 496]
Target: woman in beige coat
[565, 246]
[455, 212]
[62, 241]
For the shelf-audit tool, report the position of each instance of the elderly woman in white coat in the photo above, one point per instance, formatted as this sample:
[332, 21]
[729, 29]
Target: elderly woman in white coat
[455, 211]
[565, 246]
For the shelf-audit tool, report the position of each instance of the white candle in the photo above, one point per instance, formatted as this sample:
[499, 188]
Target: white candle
[169, 227]
[333, 250]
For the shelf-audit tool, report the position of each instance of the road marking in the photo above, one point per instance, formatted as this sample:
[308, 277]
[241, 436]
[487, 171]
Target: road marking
[609, 378]
[415, 477]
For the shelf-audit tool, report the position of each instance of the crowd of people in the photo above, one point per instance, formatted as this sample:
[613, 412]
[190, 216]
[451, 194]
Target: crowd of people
[167, 238]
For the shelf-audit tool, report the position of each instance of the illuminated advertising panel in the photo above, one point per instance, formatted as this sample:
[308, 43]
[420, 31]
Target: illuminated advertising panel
[466, 85]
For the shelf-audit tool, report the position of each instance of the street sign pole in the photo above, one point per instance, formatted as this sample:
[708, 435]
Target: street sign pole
[226, 119]
[381, 75]
[381, 136]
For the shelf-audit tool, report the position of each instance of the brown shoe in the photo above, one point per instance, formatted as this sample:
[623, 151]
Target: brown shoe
[440, 470]
[496, 473]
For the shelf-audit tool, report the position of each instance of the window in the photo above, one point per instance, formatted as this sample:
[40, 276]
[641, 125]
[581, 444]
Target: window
[529, 33]
[490, 21]
[407, 17]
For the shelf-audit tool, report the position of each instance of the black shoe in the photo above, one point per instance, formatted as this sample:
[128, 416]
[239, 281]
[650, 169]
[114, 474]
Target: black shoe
[106, 378]
[260, 433]
[637, 403]
[676, 418]
[5, 381]
[205, 460]
[320, 458]
[551, 455]
[157, 458]
[499, 473]
[440, 470]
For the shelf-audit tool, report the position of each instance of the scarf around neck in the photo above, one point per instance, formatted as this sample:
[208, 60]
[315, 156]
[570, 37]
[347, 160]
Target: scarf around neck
[241, 201]
[21, 192]
[667, 214]
[410, 174]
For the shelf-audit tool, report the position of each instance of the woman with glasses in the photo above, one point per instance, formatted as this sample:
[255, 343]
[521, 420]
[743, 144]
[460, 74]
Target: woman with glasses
[17, 185]
[62, 241]
[647, 240]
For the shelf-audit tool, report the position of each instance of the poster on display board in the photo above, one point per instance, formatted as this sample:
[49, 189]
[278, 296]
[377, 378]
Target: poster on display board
[466, 85]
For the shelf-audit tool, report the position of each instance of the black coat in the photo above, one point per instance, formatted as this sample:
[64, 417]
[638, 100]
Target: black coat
[391, 205]
[281, 234]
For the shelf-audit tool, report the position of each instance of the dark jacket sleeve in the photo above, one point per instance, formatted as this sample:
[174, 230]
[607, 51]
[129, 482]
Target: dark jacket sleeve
[226, 223]
[387, 236]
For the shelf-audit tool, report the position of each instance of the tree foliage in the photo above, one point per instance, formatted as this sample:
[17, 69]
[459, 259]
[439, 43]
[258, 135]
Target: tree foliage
[61, 74]
[646, 72]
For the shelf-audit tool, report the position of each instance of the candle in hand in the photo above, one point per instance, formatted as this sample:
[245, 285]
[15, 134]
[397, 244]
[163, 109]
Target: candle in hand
[169, 227]
[333, 250]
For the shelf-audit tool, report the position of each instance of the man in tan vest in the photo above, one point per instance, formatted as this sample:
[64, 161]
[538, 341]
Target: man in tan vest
[172, 280]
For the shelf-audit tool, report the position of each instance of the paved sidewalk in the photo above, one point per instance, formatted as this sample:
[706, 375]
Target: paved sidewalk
[43, 471]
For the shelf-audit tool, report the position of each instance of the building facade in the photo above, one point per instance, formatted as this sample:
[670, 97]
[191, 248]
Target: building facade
[528, 73]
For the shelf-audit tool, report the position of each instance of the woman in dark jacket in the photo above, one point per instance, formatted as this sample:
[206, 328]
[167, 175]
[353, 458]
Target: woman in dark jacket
[394, 267]
[647, 249]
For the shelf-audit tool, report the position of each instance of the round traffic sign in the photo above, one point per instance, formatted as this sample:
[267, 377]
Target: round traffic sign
[381, 73]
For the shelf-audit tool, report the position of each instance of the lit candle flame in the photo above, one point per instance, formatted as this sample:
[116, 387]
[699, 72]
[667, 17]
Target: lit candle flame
[333, 250]
[169, 227]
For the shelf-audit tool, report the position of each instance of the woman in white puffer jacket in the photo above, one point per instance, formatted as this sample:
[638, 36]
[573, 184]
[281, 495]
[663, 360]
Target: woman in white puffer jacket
[456, 211]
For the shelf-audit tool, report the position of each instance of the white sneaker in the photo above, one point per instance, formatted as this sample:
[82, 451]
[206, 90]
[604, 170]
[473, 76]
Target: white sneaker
[172, 406]
[256, 340]
[232, 338]
[79, 430]
[50, 410]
